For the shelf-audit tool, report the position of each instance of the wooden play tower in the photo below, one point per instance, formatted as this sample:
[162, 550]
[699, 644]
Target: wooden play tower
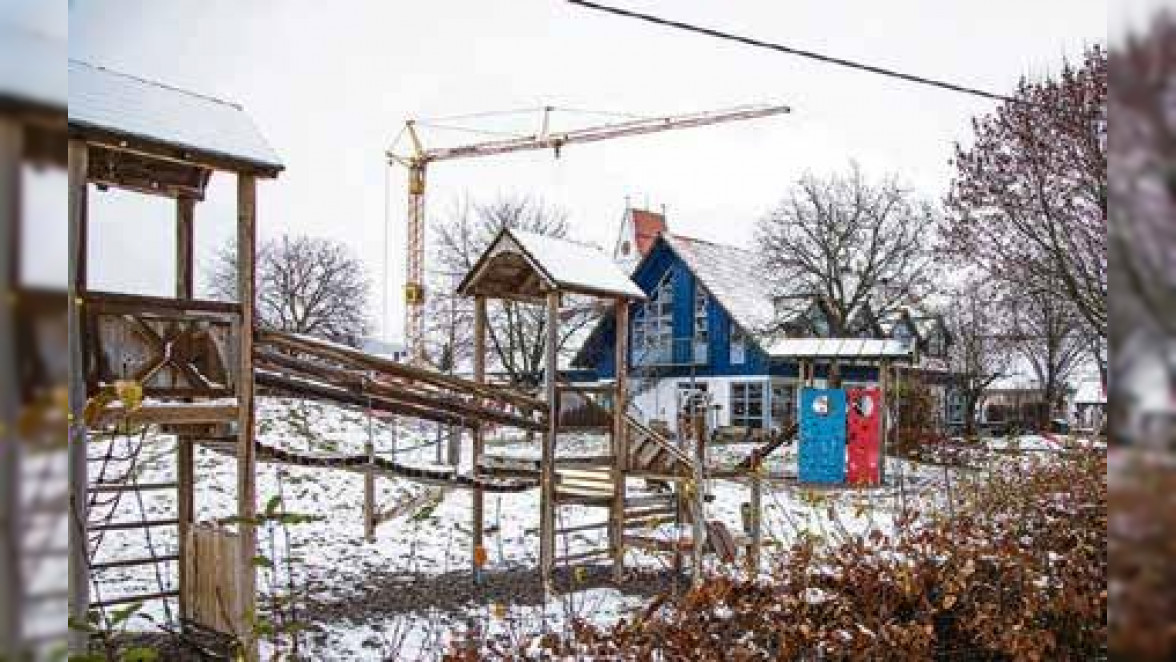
[521, 266]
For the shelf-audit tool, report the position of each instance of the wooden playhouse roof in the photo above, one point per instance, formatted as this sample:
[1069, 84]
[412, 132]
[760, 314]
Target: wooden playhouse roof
[129, 113]
[526, 266]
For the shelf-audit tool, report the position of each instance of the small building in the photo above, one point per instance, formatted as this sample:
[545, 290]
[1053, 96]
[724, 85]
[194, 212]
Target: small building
[710, 329]
[1089, 410]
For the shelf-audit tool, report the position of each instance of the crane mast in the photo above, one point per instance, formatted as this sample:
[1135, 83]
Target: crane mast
[418, 160]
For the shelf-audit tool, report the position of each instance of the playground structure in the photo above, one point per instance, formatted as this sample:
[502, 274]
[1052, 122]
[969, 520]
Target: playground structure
[192, 368]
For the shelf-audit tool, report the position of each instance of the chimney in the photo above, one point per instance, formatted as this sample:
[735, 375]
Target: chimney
[647, 226]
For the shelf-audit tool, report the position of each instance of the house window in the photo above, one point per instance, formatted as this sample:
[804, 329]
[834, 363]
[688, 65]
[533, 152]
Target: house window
[747, 405]
[955, 407]
[936, 344]
[692, 396]
[653, 325]
[783, 405]
[738, 346]
[902, 331]
[701, 324]
[820, 323]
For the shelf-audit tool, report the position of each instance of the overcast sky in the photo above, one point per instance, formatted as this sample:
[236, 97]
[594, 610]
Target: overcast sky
[330, 85]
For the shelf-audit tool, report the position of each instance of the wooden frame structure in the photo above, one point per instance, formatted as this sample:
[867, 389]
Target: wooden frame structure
[136, 135]
[529, 268]
[32, 135]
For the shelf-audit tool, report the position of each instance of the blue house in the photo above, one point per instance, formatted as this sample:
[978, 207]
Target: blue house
[712, 326]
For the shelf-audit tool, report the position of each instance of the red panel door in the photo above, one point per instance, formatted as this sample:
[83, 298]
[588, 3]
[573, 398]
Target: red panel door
[865, 438]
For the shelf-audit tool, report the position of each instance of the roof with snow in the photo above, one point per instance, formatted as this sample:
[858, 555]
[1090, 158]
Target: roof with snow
[1090, 392]
[842, 348]
[524, 265]
[118, 106]
[31, 71]
[733, 276]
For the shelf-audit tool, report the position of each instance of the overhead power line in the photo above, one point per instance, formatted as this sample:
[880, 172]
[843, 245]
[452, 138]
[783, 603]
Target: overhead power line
[812, 55]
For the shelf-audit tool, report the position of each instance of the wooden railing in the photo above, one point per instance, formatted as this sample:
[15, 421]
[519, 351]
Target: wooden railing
[587, 408]
[173, 348]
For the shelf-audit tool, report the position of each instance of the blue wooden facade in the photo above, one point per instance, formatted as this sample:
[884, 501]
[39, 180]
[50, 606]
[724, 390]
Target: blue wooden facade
[662, 263]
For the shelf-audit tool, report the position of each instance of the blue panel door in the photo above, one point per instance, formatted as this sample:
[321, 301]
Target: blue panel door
[822, 435]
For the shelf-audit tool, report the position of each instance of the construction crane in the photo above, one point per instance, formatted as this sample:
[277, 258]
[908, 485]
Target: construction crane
[417, 163]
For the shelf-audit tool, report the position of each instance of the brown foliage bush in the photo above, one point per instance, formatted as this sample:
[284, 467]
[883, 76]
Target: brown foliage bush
[1142, 537]
[1017, 573]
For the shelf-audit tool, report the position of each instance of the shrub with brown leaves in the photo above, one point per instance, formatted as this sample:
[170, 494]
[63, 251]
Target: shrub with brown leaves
[1017, 573]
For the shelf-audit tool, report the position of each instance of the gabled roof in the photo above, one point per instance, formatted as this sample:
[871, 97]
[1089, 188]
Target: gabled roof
[105, 103]
[31, 71]
[527, 264]
[732, 276]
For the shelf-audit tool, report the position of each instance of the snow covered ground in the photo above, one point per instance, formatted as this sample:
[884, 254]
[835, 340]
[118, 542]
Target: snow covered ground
[404, 595]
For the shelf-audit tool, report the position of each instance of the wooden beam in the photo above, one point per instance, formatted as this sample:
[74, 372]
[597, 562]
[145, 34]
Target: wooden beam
[430, 405]
[246, 453]
[185, 266]
[113, 141]
[479, 498]
[79, 571]
[174, 413]
[185, 470]
[11, 528]
[620, 438]
[547, 461]
[351, 356]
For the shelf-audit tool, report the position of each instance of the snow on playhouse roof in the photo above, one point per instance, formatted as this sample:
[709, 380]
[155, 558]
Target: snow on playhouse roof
[105, 102]
[505, 269]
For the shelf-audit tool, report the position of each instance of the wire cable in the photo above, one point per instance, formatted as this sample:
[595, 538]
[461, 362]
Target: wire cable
[812, 55]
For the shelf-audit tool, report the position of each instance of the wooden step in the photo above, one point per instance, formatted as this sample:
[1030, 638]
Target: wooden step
[651, 500]
[648, 512]
[139, 597]
[592, 526]
[105, 487]
[129, 563]
[127, 526]
[580, 557]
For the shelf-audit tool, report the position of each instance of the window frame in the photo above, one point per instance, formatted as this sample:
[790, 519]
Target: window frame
[740, 404]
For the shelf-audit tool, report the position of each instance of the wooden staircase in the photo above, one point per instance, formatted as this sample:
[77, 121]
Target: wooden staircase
[652, 455]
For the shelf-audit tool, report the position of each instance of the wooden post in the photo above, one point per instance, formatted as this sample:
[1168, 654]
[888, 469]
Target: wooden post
[369, 487]
[620, 439]
[547, 462]
[246, 453]
[753, 558]
[883, 416]
[479, 437]
[11, 530]
[185, 474]
[698, 533]
[79, 570]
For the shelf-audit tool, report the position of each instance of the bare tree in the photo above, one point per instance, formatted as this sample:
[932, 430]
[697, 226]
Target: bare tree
[853, 242]
[1030, 194]
[981, 352]
[1052, 337]
[517, 332]
[305, 285]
